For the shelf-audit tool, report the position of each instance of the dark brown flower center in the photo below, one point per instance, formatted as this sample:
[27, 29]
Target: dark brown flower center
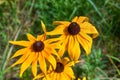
[73, 28]
[38, 46]
[59, 67]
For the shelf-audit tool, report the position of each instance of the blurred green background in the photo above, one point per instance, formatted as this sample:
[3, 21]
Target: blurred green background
[18, 17]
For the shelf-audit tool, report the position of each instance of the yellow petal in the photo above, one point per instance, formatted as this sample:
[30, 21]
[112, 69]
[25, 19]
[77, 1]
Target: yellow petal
[41, 37]
[85, 41]
[20, 43]
[31, 38]
[70, 47]
[26, 63]
[58, 30]
[68, 71]
[89, 29]
[76, 50]
[84, 78]
[75, 19]
[19, 52]
[43, 27]
[50, 58]
[70, 64]
[52, 40]
[65, 60]
[22, 59]
[39, 76]
[82, 19]
[54, 76]
[79, 79]
[51, 51]
[42, 63]
[66, 76]
[62, 77]
[46, 78]
[63, 46]
[34, 68]
[34, 65]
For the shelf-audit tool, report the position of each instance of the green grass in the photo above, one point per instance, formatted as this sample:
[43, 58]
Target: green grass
[17, 17]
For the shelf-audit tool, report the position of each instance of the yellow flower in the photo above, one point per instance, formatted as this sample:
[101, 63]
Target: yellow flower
[79, 31]
[63, 71]
[35, 50]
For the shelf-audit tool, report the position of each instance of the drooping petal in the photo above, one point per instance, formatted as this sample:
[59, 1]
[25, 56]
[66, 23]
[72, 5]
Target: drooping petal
[85, 41]
[75, 19]
[89, 29]
[34, 65]
[68, 71]
[34, 68]
[31, 38]
[63, 46]
[58, 30]
[19, 52]
[76, 50]
[42, 63]
[51, 51]
[22, 59]
[20, 43]
[27, 63]
[82, 19]
[70, 47]
[50, 58]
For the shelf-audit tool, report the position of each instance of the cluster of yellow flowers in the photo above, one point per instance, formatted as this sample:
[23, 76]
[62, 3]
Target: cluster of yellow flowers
[50, 53]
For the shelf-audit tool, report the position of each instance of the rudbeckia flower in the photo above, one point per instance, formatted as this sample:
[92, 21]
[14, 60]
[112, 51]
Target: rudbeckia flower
[36, 50]
[78, 31]
[63, 71]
